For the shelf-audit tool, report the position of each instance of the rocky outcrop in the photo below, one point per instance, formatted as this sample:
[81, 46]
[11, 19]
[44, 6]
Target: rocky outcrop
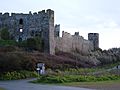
[107, 56]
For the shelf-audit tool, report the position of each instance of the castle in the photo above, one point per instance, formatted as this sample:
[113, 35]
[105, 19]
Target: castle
[23, 26]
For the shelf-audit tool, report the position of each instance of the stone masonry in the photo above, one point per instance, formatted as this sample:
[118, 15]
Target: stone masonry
[71, 43]
[94, 38]
[57, 30]
[22, 26]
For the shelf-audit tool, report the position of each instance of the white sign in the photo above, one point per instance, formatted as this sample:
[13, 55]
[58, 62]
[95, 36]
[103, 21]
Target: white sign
[38, 69]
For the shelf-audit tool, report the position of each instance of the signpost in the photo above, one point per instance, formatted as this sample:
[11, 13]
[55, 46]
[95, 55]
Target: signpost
[41, 68]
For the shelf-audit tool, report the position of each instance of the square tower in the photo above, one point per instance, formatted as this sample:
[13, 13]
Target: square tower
[94, 38]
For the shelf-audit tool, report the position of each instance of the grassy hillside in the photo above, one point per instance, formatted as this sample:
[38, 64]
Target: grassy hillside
[2, 89]
[15, 58]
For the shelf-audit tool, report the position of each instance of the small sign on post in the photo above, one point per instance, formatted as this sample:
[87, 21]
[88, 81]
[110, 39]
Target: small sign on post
[41, 68]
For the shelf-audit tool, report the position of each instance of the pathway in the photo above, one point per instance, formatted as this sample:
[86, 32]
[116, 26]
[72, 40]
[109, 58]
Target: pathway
[24, 85]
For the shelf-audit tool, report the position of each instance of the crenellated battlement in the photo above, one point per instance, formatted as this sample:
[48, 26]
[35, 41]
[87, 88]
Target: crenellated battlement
[66, 34]
[43, 12]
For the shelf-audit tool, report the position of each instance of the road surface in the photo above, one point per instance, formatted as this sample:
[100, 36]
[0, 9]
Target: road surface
[24, 85]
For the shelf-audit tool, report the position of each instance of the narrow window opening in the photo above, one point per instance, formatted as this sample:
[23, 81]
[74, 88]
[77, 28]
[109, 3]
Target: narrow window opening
[21, 21]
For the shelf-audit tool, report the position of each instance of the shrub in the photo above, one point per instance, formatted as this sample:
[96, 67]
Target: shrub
[17, 75]
[34, 43]
[8, 43]
[4, 33]
[15, 62]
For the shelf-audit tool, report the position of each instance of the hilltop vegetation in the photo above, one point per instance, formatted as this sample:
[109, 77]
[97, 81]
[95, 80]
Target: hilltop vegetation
[15, 58]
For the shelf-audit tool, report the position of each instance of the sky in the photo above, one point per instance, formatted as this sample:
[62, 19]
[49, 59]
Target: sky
[83, 16]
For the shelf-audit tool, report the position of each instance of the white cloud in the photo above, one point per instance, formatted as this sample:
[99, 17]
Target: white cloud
[93, 18]
[107, 25]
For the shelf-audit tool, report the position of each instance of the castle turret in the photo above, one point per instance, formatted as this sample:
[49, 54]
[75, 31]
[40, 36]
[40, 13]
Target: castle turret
[94, 38]
[49, 42]
[76, 33]
[57, 30]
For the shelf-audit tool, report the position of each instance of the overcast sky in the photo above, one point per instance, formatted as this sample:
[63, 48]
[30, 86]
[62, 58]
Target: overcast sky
[85, 16]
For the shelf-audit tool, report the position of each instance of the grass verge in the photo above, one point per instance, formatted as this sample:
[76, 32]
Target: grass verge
[75, 78]
[1, 88]
[97, 83]
[102, 85]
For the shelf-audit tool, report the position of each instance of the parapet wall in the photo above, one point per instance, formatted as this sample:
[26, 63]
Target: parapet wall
[70, 43]
[6, 14]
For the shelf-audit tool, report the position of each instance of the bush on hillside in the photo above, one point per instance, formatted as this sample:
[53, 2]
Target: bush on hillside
[4, 33]
[8, 43]
[16, 62]
[8, 49]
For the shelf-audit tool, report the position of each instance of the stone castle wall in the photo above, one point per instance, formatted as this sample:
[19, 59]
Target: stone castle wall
[70, 43]
[22, 26]
[57, 30]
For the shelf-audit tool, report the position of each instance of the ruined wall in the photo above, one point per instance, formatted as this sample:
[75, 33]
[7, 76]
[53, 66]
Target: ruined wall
[57, 30]
[22, 26]
[94, 38]
[69, 43]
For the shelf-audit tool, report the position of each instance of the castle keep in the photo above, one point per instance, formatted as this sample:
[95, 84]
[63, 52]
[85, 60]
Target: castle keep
[23, 26]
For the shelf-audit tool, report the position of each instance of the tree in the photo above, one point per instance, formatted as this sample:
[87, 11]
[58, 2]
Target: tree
[34, 43]
[31, 43]
[39, 43]
[4, 33]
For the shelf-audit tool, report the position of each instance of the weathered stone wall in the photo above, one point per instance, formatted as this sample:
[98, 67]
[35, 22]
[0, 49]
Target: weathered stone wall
[51, 32]
[36, 24]
[22, 26]
[70, 43]
[57, 30]
[94, 38]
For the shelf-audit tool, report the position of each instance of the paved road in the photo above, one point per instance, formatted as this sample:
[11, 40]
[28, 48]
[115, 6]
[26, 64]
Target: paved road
[24, 85]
